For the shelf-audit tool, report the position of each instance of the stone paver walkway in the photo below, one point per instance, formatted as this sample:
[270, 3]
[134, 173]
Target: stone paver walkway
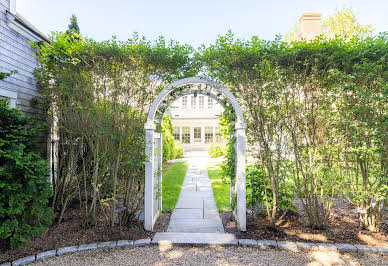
[196, 209]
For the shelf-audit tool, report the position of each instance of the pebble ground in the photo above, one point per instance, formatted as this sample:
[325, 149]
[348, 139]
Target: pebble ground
[152, 255]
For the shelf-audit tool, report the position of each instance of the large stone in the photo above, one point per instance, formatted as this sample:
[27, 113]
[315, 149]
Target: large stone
[187, 214]
[6, 264]
[365, 248]
[303, 246]
[197, 239]
[24, 261]
[346, 248]
[288, 245]
[267, 244]
[189, 203]
[326, 247]
[109, 244]
[124, 243]
[195, 226]
[248, 243]
[382, 250]
[66, 250]
[46, 254]
[142, 242]
[85, 247]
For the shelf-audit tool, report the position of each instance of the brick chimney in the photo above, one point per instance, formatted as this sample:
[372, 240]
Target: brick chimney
[310, 25]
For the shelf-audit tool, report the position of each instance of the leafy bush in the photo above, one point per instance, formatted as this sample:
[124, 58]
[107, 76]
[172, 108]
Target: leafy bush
[178, 149]
[216, 150]
[24, 181]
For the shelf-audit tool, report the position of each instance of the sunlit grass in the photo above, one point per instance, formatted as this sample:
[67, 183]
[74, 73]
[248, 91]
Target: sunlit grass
[172, 184]
[221, 189]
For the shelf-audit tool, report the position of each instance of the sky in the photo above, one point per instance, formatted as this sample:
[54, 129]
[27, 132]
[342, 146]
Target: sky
[193, 22]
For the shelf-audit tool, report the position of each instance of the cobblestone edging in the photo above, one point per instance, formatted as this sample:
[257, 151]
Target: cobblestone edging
[260, 244]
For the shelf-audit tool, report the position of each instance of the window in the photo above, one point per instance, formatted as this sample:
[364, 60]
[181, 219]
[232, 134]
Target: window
[185, 135]
[193, 102]
[209, 103]
[201, 102]
[184, 102]
[218, 135]
[175, 133]
[208, 134]
[197, 134]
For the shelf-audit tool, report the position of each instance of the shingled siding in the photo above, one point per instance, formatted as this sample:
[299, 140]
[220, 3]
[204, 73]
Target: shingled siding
[17, 54]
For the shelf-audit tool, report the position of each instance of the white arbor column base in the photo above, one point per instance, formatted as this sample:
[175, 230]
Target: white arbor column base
[240, 177]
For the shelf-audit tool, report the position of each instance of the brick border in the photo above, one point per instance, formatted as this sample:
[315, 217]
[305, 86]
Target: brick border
[259, 244]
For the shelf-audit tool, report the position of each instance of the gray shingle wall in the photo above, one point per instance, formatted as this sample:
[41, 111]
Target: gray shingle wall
[17, 54]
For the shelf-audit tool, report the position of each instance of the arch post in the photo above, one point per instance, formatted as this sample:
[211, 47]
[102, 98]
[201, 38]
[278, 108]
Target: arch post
[240, 176]
[149, 177]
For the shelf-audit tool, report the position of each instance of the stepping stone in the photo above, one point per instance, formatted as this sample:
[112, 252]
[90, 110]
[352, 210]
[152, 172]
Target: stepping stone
[189, 203]
[187, 214]
[199, 239]
[195, 226]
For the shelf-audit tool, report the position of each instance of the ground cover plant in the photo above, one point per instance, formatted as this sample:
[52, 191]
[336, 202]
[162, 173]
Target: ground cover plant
[172, 182]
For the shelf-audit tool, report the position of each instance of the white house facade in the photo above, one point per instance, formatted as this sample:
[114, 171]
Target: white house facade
[195, 120]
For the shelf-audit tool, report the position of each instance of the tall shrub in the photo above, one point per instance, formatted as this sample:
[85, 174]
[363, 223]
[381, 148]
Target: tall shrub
[25, 189]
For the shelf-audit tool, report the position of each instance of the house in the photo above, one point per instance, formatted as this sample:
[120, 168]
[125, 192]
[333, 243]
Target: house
[17, 54]
[195, 120]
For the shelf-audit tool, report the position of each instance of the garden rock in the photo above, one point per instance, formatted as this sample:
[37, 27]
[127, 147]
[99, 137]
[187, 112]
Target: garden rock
[46, 254]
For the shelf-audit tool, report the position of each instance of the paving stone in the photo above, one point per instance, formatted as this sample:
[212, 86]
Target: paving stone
[365, 248]
[187, 214]
[24, 261]
[267, 244]
[346, 248]
[142, 242]
[196, 239]
[109, 244]
[189, 203]
[210, 213]
[46, 254]
[85, 247]
[326, 246]
[382, 250]
[195, 226]
[248, 243]
[6, 264]
[62, 251]
[303, 246]
[288, 245]
[125, 243]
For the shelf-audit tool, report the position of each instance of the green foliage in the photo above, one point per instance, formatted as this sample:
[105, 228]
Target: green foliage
[178, 149]
[316, 113]
[73, 26]
[172, 184]
[216, 150]
[100, 93]
[24, 186]
[170, 151]
[4, 75]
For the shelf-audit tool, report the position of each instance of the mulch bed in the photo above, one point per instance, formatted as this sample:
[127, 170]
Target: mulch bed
[343, 227]
[71, 232]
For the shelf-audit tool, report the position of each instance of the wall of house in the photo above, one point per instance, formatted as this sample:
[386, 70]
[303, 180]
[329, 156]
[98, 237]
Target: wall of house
[17, 54]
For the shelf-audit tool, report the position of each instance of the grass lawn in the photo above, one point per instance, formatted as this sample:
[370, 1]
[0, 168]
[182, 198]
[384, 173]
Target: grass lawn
[172, 184]
[221, 190]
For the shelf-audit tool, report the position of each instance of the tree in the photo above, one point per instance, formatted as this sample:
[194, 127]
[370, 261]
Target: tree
[73, 26]
[342, 23]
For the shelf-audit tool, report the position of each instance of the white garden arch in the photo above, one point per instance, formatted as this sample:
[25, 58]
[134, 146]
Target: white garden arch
[153, 174]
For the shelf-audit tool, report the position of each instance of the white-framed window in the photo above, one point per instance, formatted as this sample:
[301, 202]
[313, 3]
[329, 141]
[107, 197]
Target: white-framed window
[201, 100]
[197, 134]
[184, 102]
[175, 133]
[208, 134]
[8, 94]
[209, 103]
[185, 135]
[193, 102]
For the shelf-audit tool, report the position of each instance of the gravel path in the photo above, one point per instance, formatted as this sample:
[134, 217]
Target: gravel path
[211, 256]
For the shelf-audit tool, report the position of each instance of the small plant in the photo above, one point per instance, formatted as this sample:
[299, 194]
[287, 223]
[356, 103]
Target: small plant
[24, 186]
[216, 150]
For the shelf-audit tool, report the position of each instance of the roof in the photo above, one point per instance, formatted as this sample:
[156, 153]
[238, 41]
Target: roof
[31, 27]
